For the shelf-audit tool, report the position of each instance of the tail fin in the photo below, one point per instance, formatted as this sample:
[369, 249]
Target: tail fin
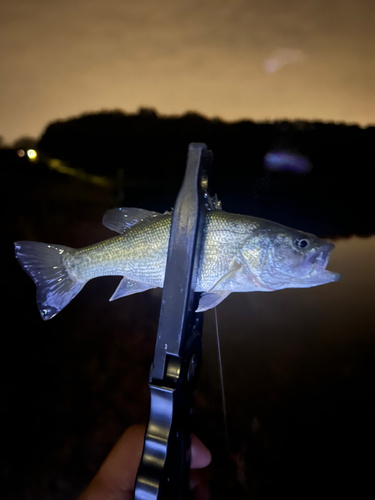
[44, 263]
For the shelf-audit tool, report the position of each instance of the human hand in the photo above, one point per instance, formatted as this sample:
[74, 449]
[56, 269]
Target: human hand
[116, 477]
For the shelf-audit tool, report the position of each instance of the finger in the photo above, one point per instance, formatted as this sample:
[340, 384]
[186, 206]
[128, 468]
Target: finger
[116, 477]
[200, 454]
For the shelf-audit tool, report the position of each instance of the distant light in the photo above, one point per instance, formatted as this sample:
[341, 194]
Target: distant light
[277, 161]
[282, 57]
[32, 154]
[21, 153]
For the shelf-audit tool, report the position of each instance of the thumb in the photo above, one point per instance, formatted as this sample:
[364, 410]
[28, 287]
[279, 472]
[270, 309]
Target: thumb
[116, 477]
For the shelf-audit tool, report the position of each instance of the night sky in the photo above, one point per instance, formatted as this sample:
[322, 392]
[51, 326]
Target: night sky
[263, 59]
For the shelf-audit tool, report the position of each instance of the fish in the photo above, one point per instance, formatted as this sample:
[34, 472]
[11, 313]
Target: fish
[239, 253]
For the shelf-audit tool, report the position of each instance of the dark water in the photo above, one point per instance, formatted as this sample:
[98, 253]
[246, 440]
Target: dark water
[299, 368]
[299, 379]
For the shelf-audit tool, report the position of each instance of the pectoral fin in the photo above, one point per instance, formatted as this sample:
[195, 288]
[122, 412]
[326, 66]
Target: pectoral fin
[221, 289]
[226, 282]
[129, 287]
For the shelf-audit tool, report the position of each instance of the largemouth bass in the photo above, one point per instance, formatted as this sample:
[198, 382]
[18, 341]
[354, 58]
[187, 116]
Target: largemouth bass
[240, 254]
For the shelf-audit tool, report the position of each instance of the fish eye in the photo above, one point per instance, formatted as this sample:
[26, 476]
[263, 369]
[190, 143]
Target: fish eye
[302, 243]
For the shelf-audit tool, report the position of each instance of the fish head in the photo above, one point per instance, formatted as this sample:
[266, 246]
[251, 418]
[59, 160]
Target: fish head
[281, 257]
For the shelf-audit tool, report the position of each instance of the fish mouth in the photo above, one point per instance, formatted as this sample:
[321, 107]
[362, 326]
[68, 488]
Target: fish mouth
[317, 264]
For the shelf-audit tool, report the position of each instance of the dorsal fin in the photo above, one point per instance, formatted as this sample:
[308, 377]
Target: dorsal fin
[120, 219]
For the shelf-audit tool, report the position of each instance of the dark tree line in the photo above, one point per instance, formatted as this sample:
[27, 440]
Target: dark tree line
[333, 199]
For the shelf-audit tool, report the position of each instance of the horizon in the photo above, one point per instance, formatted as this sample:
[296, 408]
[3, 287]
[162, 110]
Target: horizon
[5, 143]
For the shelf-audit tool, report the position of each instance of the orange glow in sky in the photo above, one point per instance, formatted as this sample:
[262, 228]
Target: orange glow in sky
[233, 59]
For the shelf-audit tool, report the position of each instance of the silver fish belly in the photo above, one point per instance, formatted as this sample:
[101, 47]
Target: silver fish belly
[240, 254]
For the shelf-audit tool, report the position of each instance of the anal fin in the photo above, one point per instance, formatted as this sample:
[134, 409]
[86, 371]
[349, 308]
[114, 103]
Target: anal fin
[129, 287]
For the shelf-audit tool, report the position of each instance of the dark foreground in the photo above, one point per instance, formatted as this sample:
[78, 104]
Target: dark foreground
[299, 368]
